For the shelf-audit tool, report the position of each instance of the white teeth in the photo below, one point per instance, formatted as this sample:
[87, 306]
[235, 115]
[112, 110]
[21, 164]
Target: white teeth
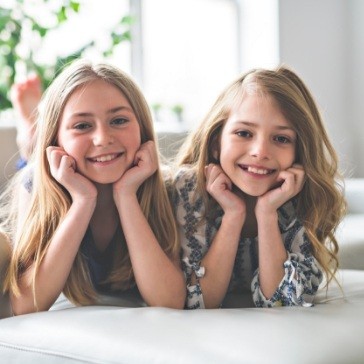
[105, 158]
[258, 171]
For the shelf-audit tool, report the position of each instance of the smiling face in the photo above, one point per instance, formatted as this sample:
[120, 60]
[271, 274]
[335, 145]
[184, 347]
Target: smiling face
[256, 143]
[99, 129]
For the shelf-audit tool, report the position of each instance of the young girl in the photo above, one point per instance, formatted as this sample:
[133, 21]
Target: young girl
[256, 195]
[90, 213]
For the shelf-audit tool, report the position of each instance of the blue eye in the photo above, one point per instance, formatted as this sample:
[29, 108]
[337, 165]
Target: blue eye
[119, 121]
[244, 134]
[82, 126]
[282, 139]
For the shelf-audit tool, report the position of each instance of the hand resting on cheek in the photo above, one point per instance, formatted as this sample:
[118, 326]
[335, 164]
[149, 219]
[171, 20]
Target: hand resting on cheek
[290, 183]
[64, 170]
[145, 164]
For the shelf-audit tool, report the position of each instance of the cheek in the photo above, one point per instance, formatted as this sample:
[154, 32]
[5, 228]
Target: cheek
[287, 160]
[291, 157]
[135, 139]
[138, 141]
[228, 151]
[72, 147]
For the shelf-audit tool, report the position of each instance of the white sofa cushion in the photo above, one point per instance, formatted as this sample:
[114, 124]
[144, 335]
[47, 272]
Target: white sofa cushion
[329, 332]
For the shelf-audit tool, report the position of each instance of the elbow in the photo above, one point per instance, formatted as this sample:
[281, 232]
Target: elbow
[176, 304]
[179, 303]
[19, 312]
[175, 298]
[212, 306]
[19, 309]
[174, 301]
[20, 306]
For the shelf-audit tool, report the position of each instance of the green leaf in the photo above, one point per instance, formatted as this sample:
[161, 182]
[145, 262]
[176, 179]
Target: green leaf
[61, 15]
[10, 40]
[127, 20]
[117, 38]
[108, 53]
[75, 6]
[39, 29]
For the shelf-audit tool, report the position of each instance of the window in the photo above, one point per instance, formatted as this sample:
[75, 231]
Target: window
[190, 52]
[191, 49]
[183, 52]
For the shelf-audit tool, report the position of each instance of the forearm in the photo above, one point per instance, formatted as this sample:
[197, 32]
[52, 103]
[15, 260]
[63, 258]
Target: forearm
[56, 265]
[272, 254]
[219, 260]
[159, 278]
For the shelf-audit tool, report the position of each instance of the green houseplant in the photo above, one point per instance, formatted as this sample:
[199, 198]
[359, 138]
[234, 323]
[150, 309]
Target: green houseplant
[17, 25]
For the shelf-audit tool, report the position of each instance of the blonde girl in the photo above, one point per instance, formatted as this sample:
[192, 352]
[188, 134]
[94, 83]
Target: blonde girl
[90, 213]
[257, 195]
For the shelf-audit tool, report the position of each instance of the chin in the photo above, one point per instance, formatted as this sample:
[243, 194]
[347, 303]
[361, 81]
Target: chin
[254, 192]
[107, 180]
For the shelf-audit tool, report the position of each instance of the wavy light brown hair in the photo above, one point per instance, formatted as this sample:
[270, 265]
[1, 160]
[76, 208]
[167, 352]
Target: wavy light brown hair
[50, 201]
[321, 204]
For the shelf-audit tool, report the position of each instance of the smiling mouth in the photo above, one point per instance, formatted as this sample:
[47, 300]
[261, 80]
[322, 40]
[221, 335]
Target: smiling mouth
[105, 158]
[262, 171]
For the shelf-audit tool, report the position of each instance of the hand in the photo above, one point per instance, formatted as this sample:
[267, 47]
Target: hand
[219, 186]
[63, 170]
[292, 180]
[145, 165]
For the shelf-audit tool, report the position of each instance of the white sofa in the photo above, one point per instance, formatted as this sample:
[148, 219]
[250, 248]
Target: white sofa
[122, 330]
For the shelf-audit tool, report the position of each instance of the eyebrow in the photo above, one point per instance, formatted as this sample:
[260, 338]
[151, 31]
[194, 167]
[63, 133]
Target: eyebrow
[251, 124]
[111, 111]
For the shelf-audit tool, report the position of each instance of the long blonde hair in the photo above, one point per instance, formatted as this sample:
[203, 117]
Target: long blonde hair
[50, 201]
[320, 204]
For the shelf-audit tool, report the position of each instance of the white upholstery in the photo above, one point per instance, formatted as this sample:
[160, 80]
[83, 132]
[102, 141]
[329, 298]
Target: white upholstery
[330, 332]
[123, 330]
[350, 233]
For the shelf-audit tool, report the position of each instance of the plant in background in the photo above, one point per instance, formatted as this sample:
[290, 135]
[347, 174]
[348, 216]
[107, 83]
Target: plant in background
[156, 108]
[22, 33]
[178, 111]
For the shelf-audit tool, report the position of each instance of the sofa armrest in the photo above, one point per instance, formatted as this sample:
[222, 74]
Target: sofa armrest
[354, 194]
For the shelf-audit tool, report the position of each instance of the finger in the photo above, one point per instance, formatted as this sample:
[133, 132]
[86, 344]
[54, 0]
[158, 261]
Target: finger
[149, 148]
[54, 157]
[146, 151]
[286, 180]
[66, 163]
[299, 173]
[218, 181]
[137, 158]
[300, 178]
[215, 172]
[208, 170]
[297, 166]
[293, 181]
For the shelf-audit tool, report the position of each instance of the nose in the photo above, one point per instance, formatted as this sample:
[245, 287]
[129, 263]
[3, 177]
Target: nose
[103, 136]
[260, 149]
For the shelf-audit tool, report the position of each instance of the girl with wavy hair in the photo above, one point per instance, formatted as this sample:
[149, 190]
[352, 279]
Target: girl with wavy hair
[258, 195]
[90, 213]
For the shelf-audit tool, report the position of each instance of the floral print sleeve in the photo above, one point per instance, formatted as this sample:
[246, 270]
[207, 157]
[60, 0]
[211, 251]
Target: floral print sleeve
[302, 273]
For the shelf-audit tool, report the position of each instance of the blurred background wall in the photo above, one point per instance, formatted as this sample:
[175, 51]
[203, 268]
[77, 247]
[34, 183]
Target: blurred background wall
[324, 41]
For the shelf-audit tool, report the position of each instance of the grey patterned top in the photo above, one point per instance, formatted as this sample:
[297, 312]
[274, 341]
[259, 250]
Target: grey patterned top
[302, 272]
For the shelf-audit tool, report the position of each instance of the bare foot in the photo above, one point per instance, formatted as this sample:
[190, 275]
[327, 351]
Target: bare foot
[25, 97]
